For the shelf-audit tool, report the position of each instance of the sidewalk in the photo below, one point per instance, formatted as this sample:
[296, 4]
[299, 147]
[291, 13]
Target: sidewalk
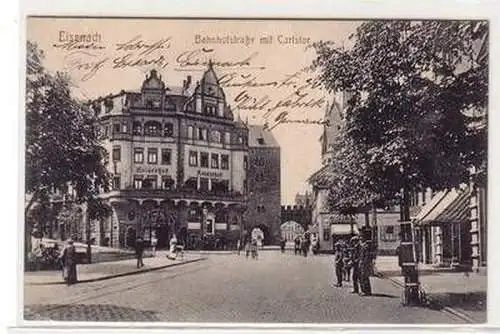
[463, 294]
[106, 270]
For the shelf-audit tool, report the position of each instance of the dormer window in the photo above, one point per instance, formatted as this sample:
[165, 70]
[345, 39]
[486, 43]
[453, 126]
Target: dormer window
[260, 141]
[108, 105]
[210, 110]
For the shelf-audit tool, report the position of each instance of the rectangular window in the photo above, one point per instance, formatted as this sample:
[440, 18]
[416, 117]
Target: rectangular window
[138, 155]
[209, 228]
[116, 128]
[227, 138]
[194, 214]
[215, 160]
[167, 182]
[137, 182]
[116, 153]
[116, 182]
[124, 128]
[224, 161]
[216, 136]
[326, 235]
[190, 132]
[245, 162]
[204, 159]
[193, 158]
[168, 130]
[202, 134]
[151, 182]
[204, 184]
[389, 234]
[152, 155]
[166, 156]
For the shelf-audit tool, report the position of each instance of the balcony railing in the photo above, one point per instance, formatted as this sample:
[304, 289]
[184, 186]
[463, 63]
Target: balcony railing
[180, 193]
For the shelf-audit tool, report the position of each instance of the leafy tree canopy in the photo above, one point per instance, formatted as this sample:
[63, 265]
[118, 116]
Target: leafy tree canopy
[62, 145]
[418, 91]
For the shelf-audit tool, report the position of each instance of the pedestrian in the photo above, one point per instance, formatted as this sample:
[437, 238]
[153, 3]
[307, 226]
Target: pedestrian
[173, 250]
[339, 263]
[282, 245]
[305, 246]
[255, 248]
[297, 245]
[347, 262]
[238, 246]
[68, 259]
[139, 251]
[247, 249]
[154, 242]
[365, 263]
[355, 250]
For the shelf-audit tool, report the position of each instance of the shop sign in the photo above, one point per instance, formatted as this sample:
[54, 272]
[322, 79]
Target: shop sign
[151, 170]
[210, 174]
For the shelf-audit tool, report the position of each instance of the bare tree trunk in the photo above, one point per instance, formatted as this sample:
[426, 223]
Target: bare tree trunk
[89, 247]
[28, 227]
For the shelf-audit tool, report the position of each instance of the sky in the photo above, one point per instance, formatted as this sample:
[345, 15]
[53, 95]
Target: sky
[261, 64]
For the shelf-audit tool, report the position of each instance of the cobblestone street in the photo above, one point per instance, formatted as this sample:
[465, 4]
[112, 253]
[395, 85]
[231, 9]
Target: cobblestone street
[229, 288]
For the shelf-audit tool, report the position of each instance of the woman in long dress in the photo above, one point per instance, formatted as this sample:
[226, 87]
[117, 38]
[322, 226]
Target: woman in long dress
[173, 245]
[68, 259]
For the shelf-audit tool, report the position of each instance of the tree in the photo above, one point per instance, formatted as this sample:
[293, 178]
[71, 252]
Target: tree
[62, 145]
[417, 88]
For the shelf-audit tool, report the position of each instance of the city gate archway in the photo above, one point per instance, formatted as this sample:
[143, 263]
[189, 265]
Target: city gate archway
[290, 230]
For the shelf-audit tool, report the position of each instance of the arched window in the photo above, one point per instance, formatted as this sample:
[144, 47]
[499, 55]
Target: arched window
[152, 128]
[190, 132]
[168, 130]
[137, 128]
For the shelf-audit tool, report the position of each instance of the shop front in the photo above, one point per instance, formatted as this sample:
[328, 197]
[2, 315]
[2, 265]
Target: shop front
[443, 229]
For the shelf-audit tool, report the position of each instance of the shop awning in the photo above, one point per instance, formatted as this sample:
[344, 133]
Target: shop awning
[429, 207]
[343, 229]
[451, 208]
[458, 211]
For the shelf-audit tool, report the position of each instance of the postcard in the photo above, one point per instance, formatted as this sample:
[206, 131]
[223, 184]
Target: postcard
[265, 171]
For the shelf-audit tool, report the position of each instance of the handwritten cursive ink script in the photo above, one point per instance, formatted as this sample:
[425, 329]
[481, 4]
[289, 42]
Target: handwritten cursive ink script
[144, 48]
[201, 57]
[87, 63]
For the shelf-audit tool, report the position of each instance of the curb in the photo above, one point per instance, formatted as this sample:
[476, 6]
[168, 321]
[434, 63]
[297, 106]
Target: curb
[129, 273]
[431, 300]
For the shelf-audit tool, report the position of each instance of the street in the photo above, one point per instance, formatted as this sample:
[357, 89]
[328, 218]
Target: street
[229, 288]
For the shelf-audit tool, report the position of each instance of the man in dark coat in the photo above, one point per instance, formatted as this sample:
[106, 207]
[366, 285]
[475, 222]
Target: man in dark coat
[68, 259]
[297, 245]
[355, 249]
[339, 263]
[139, 251]
[365, 266]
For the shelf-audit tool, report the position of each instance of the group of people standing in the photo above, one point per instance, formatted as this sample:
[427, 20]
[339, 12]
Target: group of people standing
[356, 256]
[251, 247]
[305, 244]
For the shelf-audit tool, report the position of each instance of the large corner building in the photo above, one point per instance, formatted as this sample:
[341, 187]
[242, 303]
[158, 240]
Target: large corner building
[178, 158]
